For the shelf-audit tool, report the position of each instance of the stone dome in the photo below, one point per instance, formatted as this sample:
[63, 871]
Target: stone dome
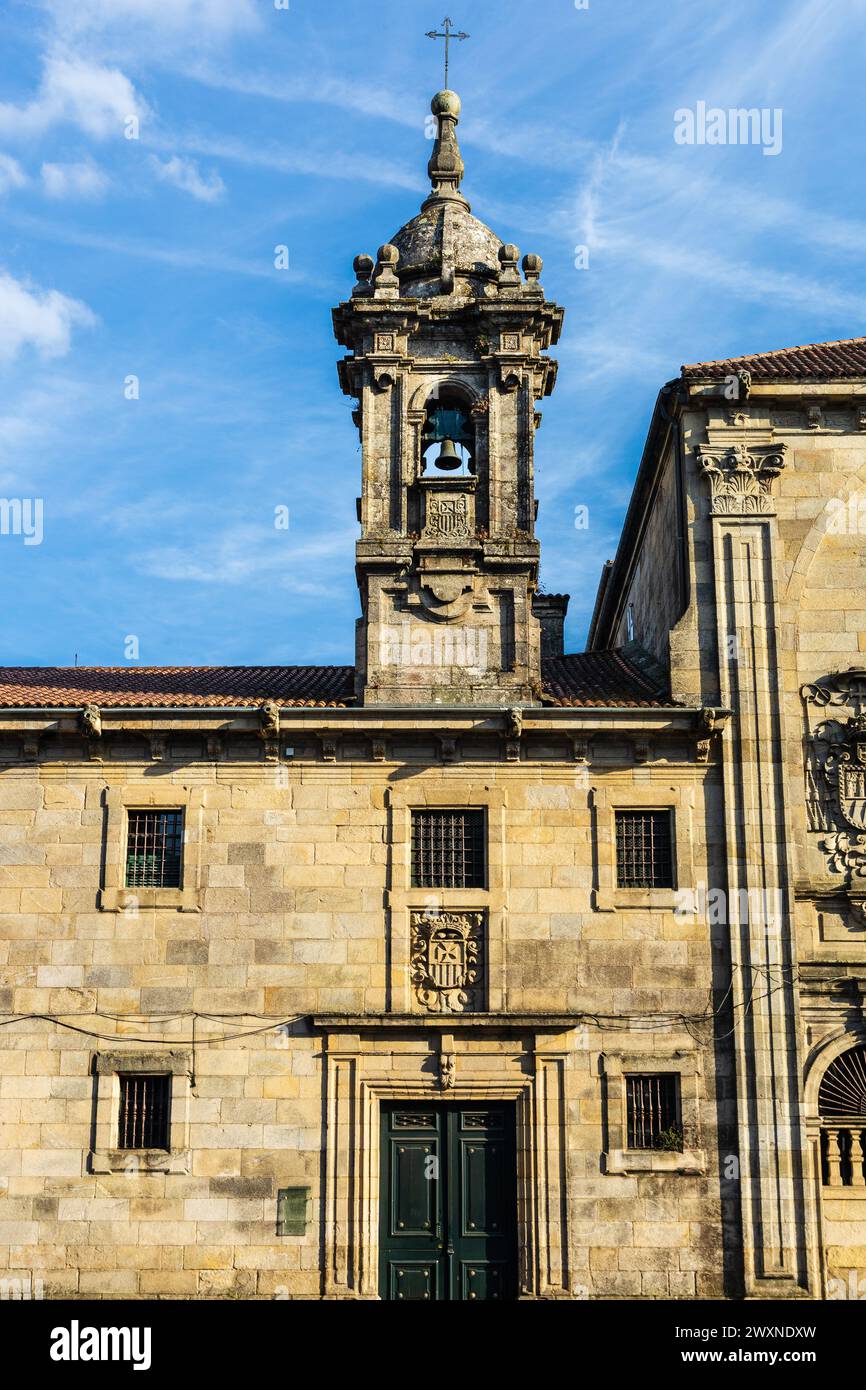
[445, 238]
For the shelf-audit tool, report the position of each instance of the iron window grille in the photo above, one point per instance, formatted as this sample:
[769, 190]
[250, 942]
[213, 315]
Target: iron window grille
[145, 1103]
[653, 1112]
[448, 849]
[644, 849]
[154, 849]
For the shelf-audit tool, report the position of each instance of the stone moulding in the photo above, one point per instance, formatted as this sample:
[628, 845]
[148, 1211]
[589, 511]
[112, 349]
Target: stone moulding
[360, 1073]
[114, 895]
[687, 1066]
[107, 1068]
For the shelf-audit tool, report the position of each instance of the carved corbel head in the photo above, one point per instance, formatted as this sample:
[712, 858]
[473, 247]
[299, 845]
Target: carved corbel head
[269, 720]
[91, 721]
[711, 721]
[448, 748]
[329, 744]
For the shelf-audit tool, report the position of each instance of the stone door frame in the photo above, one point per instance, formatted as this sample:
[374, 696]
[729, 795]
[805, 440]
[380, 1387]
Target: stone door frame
[363, 1070]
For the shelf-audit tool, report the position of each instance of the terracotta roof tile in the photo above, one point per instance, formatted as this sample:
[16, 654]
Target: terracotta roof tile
[823, 361]
[604, 678]
[590, 678]
[175, 687]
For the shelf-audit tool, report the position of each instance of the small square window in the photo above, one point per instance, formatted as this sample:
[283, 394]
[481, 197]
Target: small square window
[144, 1120]
[644, 849]
[653, 1112]
[448, 849]
[154, 849]
[293, 1207]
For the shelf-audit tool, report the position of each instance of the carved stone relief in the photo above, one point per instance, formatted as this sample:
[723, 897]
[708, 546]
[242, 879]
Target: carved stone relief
[741, 477]
[447, 961]
[836, 776]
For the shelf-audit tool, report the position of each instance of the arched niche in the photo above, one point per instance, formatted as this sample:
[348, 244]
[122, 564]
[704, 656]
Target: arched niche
[449, 440]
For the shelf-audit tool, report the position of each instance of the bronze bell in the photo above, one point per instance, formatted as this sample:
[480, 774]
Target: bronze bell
[448, 456]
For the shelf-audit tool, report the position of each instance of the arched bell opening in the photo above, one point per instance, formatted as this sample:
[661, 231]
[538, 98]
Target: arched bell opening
[448, 435]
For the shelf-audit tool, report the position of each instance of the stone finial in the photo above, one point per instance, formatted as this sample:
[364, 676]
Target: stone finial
[532, 267]
[387, 283]
[363, 267]
[446, 166]
[508, 258]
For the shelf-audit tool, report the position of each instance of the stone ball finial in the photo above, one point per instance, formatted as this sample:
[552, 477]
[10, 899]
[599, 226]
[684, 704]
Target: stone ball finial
[363, 266]
[509, 275]
[388, 254]
[446, 104]
[532, 266]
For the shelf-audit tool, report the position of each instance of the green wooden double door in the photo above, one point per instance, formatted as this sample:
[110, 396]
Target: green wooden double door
[448, 1203]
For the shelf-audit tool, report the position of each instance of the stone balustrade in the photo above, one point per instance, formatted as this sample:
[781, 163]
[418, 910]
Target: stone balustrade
[843, 1154]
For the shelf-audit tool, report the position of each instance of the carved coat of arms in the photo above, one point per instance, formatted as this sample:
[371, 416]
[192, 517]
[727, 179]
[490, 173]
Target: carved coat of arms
[447, 516]
[836, 778]
[447, 960]
[849, 770]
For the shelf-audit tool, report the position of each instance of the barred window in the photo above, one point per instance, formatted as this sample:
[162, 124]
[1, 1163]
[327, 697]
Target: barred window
[644, 849]
[154, 849]
[144, 1112]
[652, 1112]
[448, 849]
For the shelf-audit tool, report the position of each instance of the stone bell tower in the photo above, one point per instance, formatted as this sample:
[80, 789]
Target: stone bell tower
[446, 360]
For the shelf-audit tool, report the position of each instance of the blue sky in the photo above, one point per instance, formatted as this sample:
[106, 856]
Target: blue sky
[305, 127]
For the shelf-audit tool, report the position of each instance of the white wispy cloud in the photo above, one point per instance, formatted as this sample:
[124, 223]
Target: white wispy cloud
[186, 175]
[41, 319]
[330, 163]
[73, 90]
[363, 98]
[185, 258]
[36, 422]
[11, 174]
[305, 565]
[540, 145]
[83, 180]
[196, 17]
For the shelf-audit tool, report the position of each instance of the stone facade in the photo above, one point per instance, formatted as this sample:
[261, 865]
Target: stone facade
[295, 980]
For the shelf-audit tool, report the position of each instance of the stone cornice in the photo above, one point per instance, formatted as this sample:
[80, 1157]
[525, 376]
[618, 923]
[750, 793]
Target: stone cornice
[361, 719]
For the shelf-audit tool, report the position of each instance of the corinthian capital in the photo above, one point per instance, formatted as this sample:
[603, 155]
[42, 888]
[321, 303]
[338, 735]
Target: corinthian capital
[741, 477]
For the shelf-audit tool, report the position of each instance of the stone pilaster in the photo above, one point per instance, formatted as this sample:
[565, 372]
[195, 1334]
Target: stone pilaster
[772, 1157]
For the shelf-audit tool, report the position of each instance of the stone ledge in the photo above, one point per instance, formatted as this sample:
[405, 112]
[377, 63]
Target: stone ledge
[136, 1161]
[353, 1023]
[687, 1161]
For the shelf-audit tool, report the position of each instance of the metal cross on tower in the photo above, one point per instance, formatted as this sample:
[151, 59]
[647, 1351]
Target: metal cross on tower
[448, 35]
